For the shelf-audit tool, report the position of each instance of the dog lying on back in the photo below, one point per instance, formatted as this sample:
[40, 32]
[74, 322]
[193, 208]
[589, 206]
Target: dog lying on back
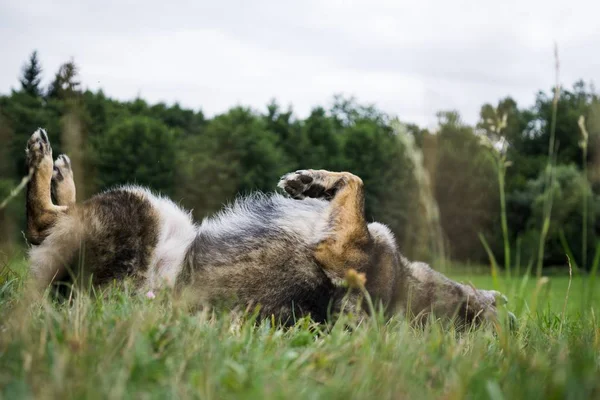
[287, 255]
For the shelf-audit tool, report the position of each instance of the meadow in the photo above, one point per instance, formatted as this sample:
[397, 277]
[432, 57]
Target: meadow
[491, 194]
[119, 344]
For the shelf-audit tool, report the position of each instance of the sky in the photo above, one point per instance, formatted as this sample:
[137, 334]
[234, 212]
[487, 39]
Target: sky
[410, 59]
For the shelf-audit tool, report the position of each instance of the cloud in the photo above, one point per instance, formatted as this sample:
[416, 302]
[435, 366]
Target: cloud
[411, 59]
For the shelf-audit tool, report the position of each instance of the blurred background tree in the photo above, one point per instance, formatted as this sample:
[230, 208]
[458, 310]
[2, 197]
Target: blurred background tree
[138, 150]
[425, 184]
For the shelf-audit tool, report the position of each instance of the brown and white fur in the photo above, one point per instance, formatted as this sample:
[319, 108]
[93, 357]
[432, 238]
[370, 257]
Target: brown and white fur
[286, 254]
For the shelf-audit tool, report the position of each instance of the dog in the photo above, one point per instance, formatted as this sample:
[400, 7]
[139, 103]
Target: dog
[287, 254]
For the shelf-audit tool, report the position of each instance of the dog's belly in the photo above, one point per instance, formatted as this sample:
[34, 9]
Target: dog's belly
[260, 251]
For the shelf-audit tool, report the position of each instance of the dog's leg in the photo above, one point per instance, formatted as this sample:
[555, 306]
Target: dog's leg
[50, 260]
[63, 185]
[41, 212]
[348, 242]
[414, 287]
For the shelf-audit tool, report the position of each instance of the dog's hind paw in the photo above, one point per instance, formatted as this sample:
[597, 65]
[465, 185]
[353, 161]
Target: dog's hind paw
[39, 151]
[62, 168]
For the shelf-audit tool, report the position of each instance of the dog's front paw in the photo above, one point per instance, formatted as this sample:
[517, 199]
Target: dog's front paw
[318, 184]
[297, 184]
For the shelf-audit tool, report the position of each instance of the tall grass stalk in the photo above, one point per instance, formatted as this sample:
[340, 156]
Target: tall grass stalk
[549, 176]
[523, 287]
[564, 310]
[518, 257]
[592, 278]
[504, 222]
[493, 261]
[498, 154]
[568, 252]
[583, 143]
[14, 192]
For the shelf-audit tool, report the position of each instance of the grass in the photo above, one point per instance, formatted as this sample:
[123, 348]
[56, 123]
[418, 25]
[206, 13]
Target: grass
[117, 344]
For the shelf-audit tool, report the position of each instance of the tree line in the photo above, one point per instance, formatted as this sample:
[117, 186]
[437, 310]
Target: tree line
[451, 190]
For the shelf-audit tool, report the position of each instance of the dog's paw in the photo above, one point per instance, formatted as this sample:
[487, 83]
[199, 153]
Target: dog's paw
[39, 151]
[62, 168]
[297, 184]
[319, 184]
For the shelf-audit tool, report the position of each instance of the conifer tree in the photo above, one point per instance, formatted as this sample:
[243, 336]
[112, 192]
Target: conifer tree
[65, 83]
[31, 76]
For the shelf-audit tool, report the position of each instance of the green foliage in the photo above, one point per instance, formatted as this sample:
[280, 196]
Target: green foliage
[443, 185]
[22, 114]
[320, 146]
[137, 150]
[568, 190]
[234, 153]
[571, 105]
[290, 138]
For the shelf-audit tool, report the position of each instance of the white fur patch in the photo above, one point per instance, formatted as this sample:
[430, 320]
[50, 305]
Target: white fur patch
[176, 233]
[301, 219]
[381, 233]
[232, 219]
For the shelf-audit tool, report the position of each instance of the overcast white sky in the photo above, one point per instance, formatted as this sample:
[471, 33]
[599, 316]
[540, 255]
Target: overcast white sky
[410, 58]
